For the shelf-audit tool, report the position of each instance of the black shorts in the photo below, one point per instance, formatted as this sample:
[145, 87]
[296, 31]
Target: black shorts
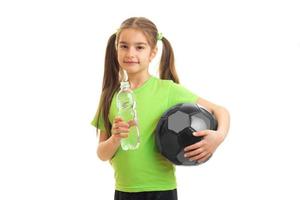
[155, 195]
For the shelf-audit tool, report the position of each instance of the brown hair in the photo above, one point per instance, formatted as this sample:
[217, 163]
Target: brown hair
[112, 72]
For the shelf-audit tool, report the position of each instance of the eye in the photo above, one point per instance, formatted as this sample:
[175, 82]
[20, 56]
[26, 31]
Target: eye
[123, 46]
[140, 47]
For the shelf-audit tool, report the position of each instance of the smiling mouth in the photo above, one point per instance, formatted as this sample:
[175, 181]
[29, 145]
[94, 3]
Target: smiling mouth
[131, 62]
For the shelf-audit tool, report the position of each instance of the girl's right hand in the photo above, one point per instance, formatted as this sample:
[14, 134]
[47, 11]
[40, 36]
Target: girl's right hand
[120, 129]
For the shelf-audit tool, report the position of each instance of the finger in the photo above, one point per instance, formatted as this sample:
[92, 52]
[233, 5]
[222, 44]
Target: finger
[195, 146]
[123, 135]
[119, 125]
[201, 133]
[120, 130]
[199, 156]
[117, 119]
[193, 153]
[200, 144]
[192, 147]
[122, 124]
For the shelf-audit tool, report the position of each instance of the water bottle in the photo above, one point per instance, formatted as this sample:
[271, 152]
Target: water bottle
[127, 111]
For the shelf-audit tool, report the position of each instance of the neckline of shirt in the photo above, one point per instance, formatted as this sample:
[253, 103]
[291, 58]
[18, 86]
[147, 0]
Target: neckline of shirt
[149, 80]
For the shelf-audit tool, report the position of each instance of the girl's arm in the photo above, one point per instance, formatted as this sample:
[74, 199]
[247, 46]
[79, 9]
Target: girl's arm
[221, 114]
[201, 151]
[108, 146]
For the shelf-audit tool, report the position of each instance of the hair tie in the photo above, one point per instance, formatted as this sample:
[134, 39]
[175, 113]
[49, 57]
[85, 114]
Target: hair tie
[159, 36]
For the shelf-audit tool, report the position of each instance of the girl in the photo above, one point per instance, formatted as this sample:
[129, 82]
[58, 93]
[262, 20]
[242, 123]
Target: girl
[144, 173]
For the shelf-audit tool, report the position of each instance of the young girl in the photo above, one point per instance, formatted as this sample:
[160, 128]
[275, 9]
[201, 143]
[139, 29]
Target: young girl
[144, 173]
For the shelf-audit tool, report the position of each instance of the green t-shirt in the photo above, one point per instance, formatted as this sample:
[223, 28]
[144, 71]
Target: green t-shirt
[145, 169]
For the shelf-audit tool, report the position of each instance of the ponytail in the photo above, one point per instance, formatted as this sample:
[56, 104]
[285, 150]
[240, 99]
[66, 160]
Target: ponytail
[167, 69]
[110, 83]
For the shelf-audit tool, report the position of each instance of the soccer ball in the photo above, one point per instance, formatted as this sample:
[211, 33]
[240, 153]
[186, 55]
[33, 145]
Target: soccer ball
[175, 129]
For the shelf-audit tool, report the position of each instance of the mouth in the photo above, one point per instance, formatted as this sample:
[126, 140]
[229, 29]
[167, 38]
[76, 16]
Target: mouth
[131, 62]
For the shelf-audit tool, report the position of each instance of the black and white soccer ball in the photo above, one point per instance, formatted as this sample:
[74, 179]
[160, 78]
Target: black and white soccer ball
[175, 129]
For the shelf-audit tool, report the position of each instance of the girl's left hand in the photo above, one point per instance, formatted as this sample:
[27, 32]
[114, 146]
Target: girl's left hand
[202, 150]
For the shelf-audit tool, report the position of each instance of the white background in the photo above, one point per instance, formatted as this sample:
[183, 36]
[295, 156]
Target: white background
[243, 55]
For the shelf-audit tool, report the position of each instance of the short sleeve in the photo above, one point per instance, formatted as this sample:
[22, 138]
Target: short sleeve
[179, 94]
[98, 122]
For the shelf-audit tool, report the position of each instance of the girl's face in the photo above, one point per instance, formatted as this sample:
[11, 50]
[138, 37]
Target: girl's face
[134, 52]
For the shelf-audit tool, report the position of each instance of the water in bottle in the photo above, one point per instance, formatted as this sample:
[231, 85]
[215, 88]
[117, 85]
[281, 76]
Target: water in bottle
[127, 111]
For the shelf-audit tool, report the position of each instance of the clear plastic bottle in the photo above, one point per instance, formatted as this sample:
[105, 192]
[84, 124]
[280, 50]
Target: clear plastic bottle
[127, 111]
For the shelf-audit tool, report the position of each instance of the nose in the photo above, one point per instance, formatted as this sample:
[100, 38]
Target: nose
[130, 52]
